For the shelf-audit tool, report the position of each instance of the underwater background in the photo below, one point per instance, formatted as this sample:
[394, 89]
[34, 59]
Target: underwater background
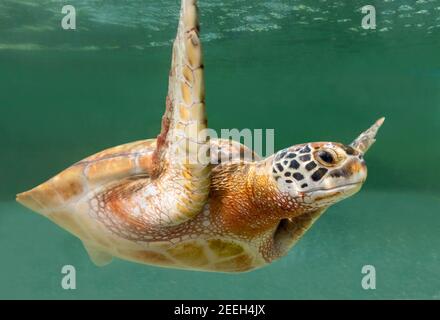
[307, 69]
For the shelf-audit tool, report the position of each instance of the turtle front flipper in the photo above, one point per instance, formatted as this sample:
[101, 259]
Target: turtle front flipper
[181, 161]
[290, 230]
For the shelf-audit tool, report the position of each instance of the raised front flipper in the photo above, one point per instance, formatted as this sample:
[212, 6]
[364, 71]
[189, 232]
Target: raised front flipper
[181, 175]
[165, 182]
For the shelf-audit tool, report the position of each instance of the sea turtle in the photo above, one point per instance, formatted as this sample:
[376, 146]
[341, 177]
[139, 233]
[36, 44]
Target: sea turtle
[227, 211]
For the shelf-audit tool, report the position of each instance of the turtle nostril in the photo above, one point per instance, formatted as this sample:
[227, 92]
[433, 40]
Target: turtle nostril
[349, 150]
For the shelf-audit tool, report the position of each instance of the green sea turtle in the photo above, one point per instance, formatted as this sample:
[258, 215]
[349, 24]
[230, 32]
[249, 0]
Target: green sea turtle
[148, 202]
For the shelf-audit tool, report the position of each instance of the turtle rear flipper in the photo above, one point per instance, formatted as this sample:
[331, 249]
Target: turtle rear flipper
[99, 258]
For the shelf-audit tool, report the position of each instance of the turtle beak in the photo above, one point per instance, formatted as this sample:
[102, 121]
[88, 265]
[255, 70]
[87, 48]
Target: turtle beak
[367, 138]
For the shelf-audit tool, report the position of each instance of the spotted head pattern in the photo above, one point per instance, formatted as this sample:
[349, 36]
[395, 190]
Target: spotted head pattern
[329, 169]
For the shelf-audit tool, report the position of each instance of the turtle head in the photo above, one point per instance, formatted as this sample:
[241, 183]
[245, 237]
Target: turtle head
[319, 174]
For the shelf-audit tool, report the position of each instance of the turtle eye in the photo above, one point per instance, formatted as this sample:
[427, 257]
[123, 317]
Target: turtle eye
[326, 157]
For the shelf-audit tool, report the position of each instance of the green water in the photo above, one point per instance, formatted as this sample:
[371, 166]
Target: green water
[304, 68]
